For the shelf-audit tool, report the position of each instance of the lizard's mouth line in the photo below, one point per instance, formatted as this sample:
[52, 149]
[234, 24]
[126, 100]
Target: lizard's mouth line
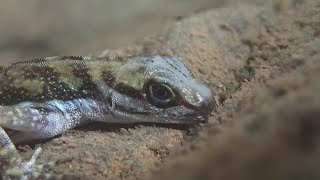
[169, 116]
[173, 118]
[191, 119]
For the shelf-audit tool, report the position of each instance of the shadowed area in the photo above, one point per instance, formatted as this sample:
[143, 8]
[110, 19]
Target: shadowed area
[262, 62]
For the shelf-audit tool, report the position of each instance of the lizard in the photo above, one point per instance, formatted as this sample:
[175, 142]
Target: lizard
[45, 97]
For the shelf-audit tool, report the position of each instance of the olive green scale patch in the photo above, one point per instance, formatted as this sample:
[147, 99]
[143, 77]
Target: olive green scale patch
[69, 77]
[43, 80]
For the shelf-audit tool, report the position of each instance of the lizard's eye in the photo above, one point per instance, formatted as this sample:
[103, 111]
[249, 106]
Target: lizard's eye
[161, 95]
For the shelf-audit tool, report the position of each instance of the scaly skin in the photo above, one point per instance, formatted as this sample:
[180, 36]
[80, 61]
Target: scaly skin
[45, 97]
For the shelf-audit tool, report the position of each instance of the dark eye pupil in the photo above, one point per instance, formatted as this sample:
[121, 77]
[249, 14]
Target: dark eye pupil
[160, 92]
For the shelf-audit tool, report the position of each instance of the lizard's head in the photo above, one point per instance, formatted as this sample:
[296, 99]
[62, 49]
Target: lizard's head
[160, 89]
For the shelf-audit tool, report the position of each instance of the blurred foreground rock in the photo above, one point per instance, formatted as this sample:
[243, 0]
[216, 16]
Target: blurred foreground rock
[263, 64]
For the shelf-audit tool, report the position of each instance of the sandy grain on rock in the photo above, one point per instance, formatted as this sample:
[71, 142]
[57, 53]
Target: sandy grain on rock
[262, 65]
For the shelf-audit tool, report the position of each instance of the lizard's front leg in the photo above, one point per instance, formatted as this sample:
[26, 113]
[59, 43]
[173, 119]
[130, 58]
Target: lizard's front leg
[11, 165]
[40, 121]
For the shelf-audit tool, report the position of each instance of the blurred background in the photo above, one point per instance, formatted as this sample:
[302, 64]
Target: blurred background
[38, 28]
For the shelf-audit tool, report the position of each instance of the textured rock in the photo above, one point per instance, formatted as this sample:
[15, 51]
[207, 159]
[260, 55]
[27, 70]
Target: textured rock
[262, 62]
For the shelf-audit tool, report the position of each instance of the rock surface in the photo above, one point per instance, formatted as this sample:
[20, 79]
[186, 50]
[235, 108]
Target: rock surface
[261, 61]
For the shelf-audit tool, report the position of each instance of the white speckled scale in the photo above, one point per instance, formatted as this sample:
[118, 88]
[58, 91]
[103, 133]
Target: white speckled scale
[48, 119]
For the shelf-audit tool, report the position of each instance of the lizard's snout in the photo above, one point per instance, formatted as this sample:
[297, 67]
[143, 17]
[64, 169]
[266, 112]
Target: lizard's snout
[206, 106]
[205, 103]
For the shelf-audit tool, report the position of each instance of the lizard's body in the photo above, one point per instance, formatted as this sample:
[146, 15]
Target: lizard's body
[45, 97]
